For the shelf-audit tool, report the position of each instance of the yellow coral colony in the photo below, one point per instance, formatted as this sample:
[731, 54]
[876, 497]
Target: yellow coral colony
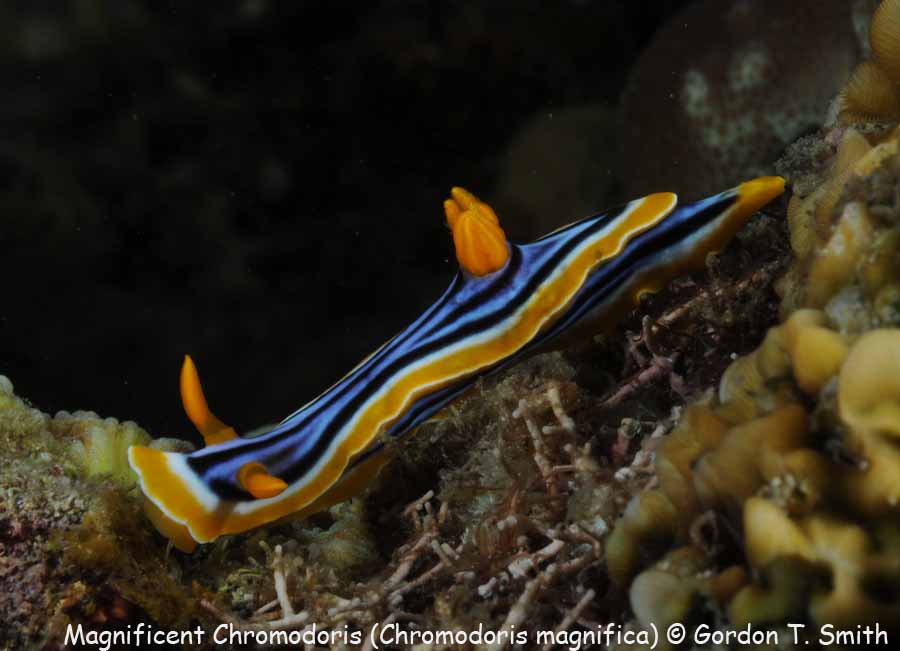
[873, 92]
[798, 455]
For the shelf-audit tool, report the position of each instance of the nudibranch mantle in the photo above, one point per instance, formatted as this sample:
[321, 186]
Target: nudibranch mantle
[507, 301]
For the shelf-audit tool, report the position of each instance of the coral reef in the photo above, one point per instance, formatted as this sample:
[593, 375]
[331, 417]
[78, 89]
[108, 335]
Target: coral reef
[75, 547]
[785, 481]
[573, 490]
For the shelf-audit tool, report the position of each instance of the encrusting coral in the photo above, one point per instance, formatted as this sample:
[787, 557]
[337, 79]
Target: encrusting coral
[790, 472]
[75, 548]
[873, 92]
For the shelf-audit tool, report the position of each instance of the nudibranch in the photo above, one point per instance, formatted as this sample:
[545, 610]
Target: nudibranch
[506, 301]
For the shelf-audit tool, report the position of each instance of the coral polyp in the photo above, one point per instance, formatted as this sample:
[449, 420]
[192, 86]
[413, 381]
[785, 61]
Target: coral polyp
[873, 92]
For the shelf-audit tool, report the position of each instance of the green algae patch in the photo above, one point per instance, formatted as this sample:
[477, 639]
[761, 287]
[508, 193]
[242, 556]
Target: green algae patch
[114, 546]
[76, 545]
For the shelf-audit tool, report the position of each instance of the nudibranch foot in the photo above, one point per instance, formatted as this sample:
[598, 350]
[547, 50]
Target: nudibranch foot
[176, 532]
[160, 485]
[506, 302]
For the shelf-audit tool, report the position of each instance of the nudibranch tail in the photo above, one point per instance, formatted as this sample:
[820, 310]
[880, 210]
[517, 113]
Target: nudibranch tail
[481, 246]
[750, 196]
[213, 430]
[753, 195]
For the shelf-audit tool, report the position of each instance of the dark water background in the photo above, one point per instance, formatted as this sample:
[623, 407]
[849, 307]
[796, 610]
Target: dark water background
[257, 183]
